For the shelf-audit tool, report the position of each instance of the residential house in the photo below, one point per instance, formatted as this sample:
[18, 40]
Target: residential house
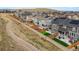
[67, 28]
[43, 22]
[24, 15]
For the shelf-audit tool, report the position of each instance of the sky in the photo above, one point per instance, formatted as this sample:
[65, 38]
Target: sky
[66, 8]
[57, 8]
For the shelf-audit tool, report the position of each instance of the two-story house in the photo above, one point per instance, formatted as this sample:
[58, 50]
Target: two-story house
[67, 28]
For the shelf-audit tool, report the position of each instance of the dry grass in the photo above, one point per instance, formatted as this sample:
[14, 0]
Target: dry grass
[6, 42]
[35, 39]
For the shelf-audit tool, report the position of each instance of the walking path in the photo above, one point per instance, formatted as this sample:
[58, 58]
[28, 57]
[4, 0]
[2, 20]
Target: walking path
[19, 41]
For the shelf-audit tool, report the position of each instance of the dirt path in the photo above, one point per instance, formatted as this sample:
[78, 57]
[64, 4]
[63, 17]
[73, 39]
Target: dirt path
[19, 41]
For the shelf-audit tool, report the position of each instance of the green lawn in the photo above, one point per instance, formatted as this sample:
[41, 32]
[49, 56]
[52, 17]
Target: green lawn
[61, 42]
[45, 33]
[55, 39]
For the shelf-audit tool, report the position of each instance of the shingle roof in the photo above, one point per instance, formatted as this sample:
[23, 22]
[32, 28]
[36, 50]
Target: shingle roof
[66, 22]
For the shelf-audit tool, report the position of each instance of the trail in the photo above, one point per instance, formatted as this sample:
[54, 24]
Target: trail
[19, 41]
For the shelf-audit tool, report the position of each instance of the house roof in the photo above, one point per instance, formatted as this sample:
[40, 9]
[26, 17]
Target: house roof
[66, 22]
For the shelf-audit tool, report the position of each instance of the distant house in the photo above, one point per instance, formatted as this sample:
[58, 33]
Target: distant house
[24, 15]
[67, 28]
[43, 22]
[7, 11]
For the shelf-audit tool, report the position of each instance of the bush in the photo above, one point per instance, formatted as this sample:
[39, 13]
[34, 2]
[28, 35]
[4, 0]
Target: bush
[61, 42]
[45, 33]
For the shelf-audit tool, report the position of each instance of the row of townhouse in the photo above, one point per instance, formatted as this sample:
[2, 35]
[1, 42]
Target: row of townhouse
[67, 28]
[7, 11]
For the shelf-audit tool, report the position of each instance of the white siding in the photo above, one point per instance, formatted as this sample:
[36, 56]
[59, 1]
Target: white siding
[55, 28]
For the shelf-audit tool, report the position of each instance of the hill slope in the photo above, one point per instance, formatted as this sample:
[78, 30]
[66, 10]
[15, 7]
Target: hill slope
[15, 36]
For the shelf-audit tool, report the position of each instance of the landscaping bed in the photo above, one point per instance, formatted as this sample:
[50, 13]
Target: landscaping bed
[61, 42]
[46, 33]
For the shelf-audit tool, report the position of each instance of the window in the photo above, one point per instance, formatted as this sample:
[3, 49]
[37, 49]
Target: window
[62, 32]
[72, 34]
[42, 24]
[45, 25]
[50, 28]
[37, 22]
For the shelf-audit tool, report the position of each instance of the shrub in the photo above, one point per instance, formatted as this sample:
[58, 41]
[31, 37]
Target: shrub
[45, 33]
[61, 42]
